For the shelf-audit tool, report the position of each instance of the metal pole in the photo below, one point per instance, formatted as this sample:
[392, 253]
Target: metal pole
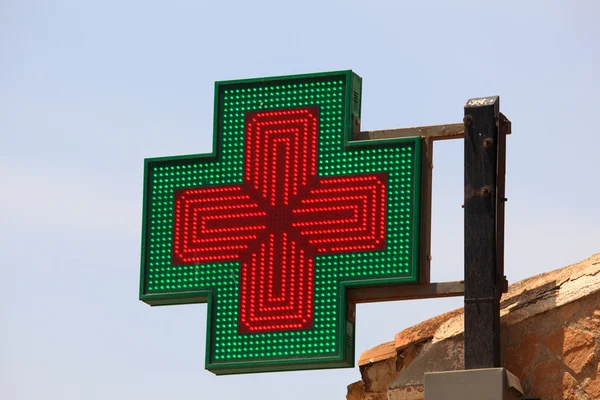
[484, 183]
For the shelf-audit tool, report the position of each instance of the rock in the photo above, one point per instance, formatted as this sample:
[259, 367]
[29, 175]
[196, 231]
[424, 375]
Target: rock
[378, 376]
[413, 392]
[575, 347]
[551, 382]
[356, 391]
[592, 385]
[591, 322]
[519, 360]
[550, 325]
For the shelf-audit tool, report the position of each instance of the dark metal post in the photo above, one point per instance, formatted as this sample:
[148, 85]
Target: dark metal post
[484, 184]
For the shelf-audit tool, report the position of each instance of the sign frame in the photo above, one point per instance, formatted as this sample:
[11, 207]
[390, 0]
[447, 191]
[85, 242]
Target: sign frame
[377, 287]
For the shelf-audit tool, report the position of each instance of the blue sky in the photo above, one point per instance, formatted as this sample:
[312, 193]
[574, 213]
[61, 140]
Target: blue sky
[89, 89]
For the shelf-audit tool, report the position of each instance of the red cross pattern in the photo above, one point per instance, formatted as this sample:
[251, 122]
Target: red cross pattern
[278, 219]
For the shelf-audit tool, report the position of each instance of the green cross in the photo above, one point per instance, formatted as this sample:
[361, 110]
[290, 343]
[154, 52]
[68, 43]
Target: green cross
[187, 254]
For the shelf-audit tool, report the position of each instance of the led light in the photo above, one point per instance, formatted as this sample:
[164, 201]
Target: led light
[274, 225]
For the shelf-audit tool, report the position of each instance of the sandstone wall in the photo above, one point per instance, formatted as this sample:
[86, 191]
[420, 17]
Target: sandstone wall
[550, 340]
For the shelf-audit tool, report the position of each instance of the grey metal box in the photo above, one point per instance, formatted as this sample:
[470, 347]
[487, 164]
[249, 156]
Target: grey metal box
[473, 384]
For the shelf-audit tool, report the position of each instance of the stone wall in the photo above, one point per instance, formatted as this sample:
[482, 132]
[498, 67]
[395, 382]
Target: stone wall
[550, 340]
[556, 353]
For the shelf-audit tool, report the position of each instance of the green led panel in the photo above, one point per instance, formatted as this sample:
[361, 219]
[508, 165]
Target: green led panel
[273, 226]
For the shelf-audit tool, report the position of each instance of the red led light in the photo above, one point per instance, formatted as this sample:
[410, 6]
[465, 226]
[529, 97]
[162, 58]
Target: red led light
[279, 219]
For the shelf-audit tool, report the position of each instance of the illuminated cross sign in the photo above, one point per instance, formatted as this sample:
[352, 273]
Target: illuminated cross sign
[275, 225]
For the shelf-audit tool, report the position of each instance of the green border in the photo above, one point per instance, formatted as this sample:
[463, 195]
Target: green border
[346, 338]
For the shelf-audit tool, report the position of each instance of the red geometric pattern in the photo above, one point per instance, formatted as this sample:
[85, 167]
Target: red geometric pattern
[279, 219]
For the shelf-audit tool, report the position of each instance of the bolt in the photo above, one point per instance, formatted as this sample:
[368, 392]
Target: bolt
[467, 120]
[487, 143]
[485, 191]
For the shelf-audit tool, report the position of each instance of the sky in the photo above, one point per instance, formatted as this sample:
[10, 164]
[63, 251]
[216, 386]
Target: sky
[88, 89]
